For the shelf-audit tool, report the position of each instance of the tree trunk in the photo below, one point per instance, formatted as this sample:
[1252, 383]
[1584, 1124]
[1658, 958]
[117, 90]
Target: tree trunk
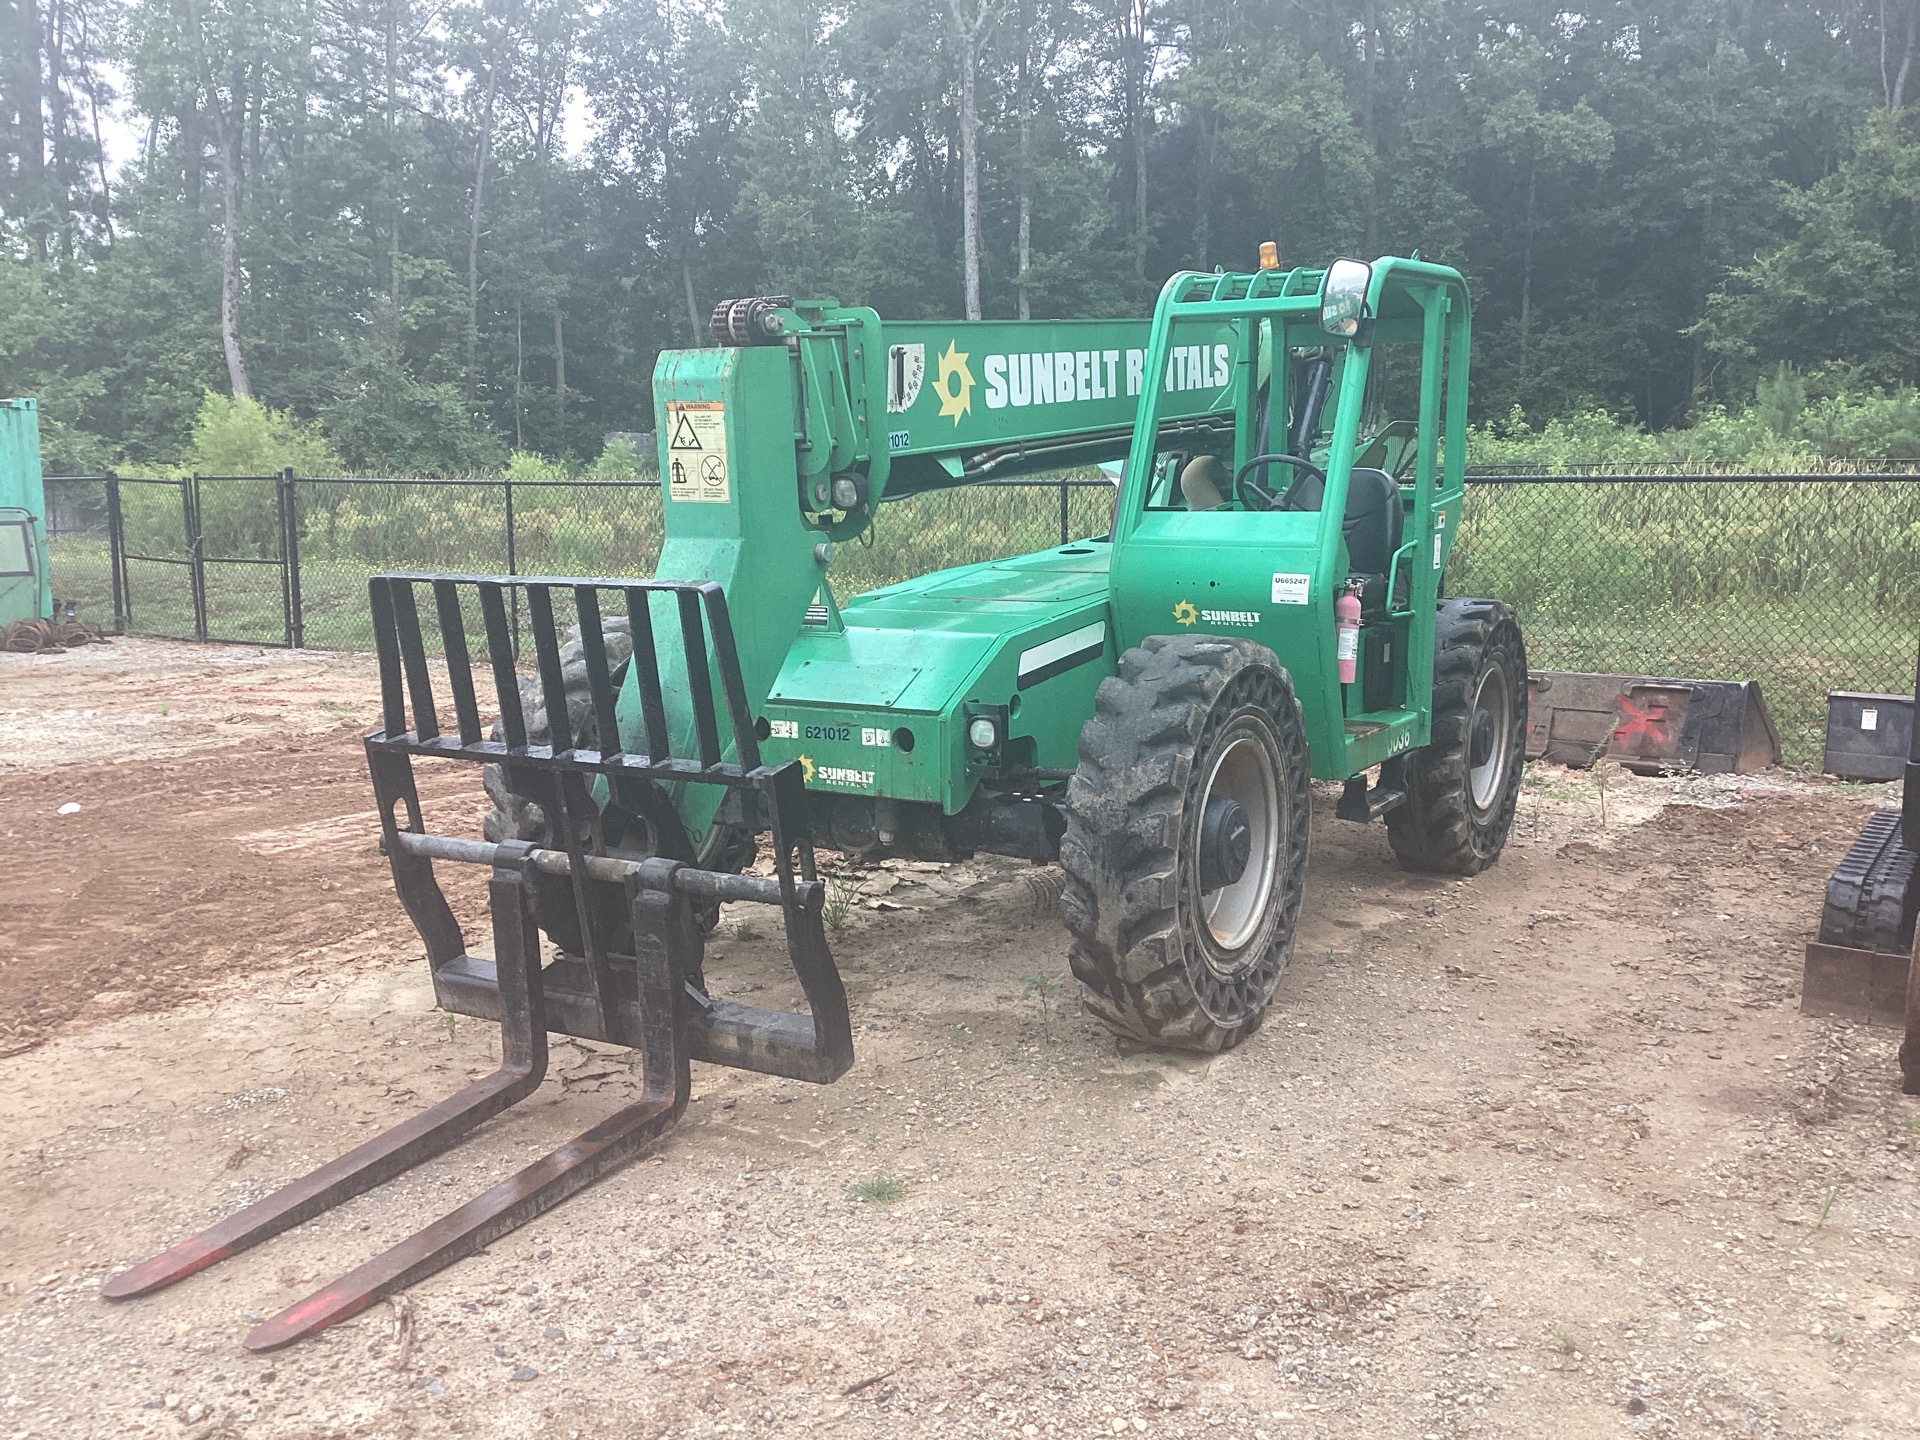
[1138, 70]
[230, 278]
[971, 36]
[1369, 126]
[23, 50]
[693, 310]
[969, 186]
[560, 377]
[392, 176]
[1899, 96]
[1886, 86]
[91, 71]
[482, 152]
[1526, 260]
[1025, 179]
[193, 163]
[251, 127]
[59, 197]
[1203, 189]
[519, 372]
[1026, 254]
[1140, 191]
[229, 134]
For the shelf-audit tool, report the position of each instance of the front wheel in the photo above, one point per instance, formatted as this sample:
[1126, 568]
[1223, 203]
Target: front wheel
[1463, 785]
[512, 816]
[1186, 842]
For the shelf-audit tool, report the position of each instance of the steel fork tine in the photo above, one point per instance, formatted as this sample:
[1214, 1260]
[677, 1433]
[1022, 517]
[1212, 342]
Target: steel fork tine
[523, 1065]
[476, 1224]
[556, 1175]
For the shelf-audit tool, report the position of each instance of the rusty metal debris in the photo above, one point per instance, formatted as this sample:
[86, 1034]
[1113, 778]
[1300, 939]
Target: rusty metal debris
[50, 637]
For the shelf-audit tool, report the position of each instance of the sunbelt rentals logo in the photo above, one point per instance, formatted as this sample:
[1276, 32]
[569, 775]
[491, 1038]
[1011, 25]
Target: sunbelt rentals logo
[1185, 612]
[812, 773]
[954, 385]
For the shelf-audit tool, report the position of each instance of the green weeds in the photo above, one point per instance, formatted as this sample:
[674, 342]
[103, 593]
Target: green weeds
[1043, 987]
[842, 891]
[879, 1190]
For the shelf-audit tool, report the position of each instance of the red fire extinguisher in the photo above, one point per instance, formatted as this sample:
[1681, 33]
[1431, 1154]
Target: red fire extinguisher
[1346, 632]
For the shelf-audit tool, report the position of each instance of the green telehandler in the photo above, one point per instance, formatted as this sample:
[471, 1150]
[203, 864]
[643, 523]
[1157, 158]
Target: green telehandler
[1147, 707]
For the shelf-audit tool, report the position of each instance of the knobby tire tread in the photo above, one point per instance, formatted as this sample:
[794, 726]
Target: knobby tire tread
[1436, 830]
[1128, 814]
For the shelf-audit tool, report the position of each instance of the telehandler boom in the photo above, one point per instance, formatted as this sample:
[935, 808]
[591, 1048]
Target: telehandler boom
[1146, 706]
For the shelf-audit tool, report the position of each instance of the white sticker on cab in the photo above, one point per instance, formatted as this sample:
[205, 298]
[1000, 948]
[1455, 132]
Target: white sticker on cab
[1291, 589]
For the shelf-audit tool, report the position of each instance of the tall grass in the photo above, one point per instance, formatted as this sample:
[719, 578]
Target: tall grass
[1806, 586]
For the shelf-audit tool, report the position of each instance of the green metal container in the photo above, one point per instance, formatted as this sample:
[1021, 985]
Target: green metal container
[26, 590]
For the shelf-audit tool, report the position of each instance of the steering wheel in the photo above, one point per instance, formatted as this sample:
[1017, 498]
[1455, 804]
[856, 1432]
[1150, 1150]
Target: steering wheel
[1268, 500]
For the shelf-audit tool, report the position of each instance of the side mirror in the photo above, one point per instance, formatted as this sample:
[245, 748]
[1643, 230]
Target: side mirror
[1343, 297]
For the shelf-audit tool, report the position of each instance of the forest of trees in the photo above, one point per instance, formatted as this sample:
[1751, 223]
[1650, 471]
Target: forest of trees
[436, 231]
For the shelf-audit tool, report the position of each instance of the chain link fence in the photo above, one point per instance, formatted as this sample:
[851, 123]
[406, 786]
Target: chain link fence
[1806, 583]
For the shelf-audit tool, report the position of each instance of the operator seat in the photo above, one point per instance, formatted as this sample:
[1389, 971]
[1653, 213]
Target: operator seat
[1373, 527]
[1373, 521]
[1205, 482]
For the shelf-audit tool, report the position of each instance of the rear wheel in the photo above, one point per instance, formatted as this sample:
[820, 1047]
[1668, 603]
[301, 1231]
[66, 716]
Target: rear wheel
[1186, 841]
[1463, 785]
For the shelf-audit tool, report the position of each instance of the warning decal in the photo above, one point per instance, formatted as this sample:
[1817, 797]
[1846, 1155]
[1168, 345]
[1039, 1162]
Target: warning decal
[697, 452]
[906, 368]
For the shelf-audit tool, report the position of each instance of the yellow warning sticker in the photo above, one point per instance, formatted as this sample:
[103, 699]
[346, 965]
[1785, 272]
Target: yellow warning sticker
[697, 452]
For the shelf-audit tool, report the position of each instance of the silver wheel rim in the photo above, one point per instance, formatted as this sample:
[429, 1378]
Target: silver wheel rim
[1492, 708]
[1243, 771]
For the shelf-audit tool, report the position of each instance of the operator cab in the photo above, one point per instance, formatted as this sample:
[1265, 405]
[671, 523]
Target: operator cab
[1282, 395]
[1199, 476]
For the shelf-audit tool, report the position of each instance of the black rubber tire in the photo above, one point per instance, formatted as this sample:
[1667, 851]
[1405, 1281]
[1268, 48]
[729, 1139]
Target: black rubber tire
[729, 848]
[514, 817]
[1440, 829]
[1147, 956]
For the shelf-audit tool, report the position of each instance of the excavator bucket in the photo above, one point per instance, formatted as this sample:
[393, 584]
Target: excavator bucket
[638, 980]
[1651, 725]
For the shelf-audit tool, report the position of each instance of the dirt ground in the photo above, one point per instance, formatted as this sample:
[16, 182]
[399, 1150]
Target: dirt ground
[1549, 1152]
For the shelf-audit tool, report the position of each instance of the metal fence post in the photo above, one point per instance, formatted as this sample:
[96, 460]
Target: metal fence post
[196, 559]
[117, 557]
[290, 559]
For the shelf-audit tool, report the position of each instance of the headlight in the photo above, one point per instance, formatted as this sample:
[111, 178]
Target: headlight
[982, 733]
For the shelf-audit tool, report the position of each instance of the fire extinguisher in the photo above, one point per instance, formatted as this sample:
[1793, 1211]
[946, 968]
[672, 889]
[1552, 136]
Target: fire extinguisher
[1346, 632]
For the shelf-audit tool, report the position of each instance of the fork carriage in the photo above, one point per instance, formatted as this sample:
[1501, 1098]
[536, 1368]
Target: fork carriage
[638, 980]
